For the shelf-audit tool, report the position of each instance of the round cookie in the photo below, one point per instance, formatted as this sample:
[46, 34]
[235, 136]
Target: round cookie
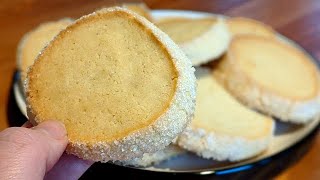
[202, 39]
[120, 85]
[223, 128]
[34, 41]
[271, 76]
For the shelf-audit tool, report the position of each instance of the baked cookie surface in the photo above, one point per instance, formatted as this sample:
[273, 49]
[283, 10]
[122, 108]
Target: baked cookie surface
[121, 87]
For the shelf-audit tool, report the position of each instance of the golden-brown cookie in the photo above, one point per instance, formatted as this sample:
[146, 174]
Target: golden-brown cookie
[273, 77]
[120, 85]
[202, 39]
[223, 128]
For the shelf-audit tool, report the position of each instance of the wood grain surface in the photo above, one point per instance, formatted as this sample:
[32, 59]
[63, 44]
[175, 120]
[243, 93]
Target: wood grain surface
[296, 19]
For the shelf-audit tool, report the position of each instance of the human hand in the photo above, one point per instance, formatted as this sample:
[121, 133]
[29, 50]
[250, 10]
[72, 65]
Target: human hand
[37, 153]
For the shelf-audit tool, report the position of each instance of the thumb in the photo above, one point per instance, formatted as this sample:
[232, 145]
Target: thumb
[30, 153]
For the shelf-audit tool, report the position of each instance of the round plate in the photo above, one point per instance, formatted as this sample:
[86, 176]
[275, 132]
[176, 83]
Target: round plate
[286, 135]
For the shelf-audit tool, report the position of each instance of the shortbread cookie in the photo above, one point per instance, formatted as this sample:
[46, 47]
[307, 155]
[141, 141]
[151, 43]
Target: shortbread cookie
[34, 41]
[273, 77]
[223, 128]
[202, 40]
[120, 85]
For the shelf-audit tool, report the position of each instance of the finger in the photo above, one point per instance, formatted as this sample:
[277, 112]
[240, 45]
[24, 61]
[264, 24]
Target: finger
[68, 167]
[55, 131]
[30, 153]
[27, 125]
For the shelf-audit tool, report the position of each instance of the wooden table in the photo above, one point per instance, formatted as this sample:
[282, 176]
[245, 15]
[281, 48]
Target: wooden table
[296, 19]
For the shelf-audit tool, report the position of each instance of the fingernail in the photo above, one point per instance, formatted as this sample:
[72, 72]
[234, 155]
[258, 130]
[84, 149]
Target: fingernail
[54, 129]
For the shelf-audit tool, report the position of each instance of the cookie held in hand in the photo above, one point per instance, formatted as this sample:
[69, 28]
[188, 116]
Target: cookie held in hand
[120, 85]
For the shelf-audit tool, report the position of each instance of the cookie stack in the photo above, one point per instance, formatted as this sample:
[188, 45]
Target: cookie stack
[123, 83]
[120, 85]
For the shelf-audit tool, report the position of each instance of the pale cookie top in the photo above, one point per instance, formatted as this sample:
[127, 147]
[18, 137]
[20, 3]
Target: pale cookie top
[220, 113]
[185, 29]
[275, 66]
[34, 41]
[105, 77]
